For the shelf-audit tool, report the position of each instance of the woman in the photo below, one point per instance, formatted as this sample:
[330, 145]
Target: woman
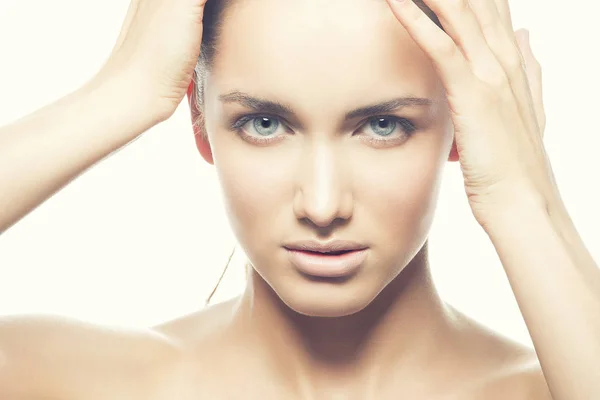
[330, 183]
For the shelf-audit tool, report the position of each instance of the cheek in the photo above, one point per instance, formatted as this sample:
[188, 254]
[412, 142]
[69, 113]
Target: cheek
[394, 190]
[255, 188]
[399, 192]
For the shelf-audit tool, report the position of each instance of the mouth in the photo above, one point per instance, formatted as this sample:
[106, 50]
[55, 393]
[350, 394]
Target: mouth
[327, 264]
[324, 253]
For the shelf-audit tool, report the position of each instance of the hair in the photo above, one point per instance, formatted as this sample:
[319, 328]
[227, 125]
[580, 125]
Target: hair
[211, 30]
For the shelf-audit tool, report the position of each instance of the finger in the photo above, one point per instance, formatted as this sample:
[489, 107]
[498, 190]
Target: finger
[534, 76]
[507, 52]
[502, 44]
[504, 11]
[445, 55]
[461, 24]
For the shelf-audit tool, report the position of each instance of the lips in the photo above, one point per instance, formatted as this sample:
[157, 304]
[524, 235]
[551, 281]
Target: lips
[335, 246]
[327, 253]
[327, 260]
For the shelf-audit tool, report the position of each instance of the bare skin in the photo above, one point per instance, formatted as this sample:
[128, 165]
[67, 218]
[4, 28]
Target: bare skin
[212, 354]
[464, 360]
[382, 333]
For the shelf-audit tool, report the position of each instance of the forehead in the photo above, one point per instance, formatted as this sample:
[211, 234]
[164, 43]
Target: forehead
[320, 53]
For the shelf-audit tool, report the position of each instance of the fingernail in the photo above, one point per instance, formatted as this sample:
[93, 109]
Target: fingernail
[528, 41]
[523, 35]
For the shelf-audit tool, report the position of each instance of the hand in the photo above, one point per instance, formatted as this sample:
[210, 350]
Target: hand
[493, 86]
[157, 50]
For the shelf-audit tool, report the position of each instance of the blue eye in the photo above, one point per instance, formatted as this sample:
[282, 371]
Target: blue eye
[265, 126]
[263, 129]
[258, 129]
[383, 126]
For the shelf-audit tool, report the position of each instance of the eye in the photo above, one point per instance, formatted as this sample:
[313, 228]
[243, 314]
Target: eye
[387, 130]
[388, 125]
[383, 126]
[264, 126]
[259, 129]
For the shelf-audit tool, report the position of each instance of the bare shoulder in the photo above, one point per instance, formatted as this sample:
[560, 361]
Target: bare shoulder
[203, 335]
[55, 357]
[506, 369]
[523, 382]
[191, 328]
[216, 352]
[491, 366]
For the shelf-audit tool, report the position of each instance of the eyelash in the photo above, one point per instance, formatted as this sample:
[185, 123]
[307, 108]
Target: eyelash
[406, 125]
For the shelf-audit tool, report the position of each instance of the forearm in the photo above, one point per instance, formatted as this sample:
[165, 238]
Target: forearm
[45, 150]
[555, 282]
[563, 224]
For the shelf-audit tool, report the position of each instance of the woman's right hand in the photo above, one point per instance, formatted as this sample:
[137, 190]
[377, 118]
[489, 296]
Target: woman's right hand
[141, 84]
[157, 50]
[151, 65]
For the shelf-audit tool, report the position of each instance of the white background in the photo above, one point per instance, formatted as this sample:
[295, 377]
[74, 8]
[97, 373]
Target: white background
[142, 237]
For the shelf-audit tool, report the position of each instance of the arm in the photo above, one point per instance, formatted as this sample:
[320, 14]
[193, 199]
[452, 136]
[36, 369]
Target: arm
[158, 46]
[59, 358]
[42, 152]
[557, 286]
[510, 185]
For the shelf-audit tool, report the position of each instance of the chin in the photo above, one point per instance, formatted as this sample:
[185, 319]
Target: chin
[325, 299]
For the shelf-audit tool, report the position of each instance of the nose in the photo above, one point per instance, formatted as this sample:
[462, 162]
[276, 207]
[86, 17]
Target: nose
[322, 194]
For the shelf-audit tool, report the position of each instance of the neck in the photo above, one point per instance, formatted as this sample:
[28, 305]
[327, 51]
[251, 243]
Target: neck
[407, 321]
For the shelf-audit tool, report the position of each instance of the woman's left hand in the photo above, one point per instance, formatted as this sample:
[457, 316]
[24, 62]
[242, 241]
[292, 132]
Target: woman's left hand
[494, 91]
[493, 86]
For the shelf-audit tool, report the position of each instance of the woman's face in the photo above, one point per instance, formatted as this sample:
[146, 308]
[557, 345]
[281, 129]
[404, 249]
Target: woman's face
[308, 167]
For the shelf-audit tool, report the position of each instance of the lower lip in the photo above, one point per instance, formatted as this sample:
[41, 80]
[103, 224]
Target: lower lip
[327, 266]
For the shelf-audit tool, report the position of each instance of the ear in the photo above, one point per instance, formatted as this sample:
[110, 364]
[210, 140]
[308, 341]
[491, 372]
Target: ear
[453, 157]
[199, 134]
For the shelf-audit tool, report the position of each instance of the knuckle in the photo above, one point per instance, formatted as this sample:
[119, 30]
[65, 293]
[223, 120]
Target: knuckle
[514, 62]
[445, 47]
[492, 96]
[457, 5]
[490, 26]
[494, 77]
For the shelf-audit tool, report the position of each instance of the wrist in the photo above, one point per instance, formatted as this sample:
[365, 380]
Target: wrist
[125, 97]
[513, 212]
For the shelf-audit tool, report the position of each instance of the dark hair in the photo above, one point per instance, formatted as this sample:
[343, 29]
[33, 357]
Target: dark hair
[212, 22]
[212, 26]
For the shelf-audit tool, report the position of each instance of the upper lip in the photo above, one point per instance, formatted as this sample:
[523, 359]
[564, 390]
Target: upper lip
[325, 247]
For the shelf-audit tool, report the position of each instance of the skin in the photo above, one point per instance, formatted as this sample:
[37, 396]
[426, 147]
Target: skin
[383, 333]
[332, 182]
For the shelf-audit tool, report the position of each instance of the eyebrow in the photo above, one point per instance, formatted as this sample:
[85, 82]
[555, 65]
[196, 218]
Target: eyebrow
[275, 107]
